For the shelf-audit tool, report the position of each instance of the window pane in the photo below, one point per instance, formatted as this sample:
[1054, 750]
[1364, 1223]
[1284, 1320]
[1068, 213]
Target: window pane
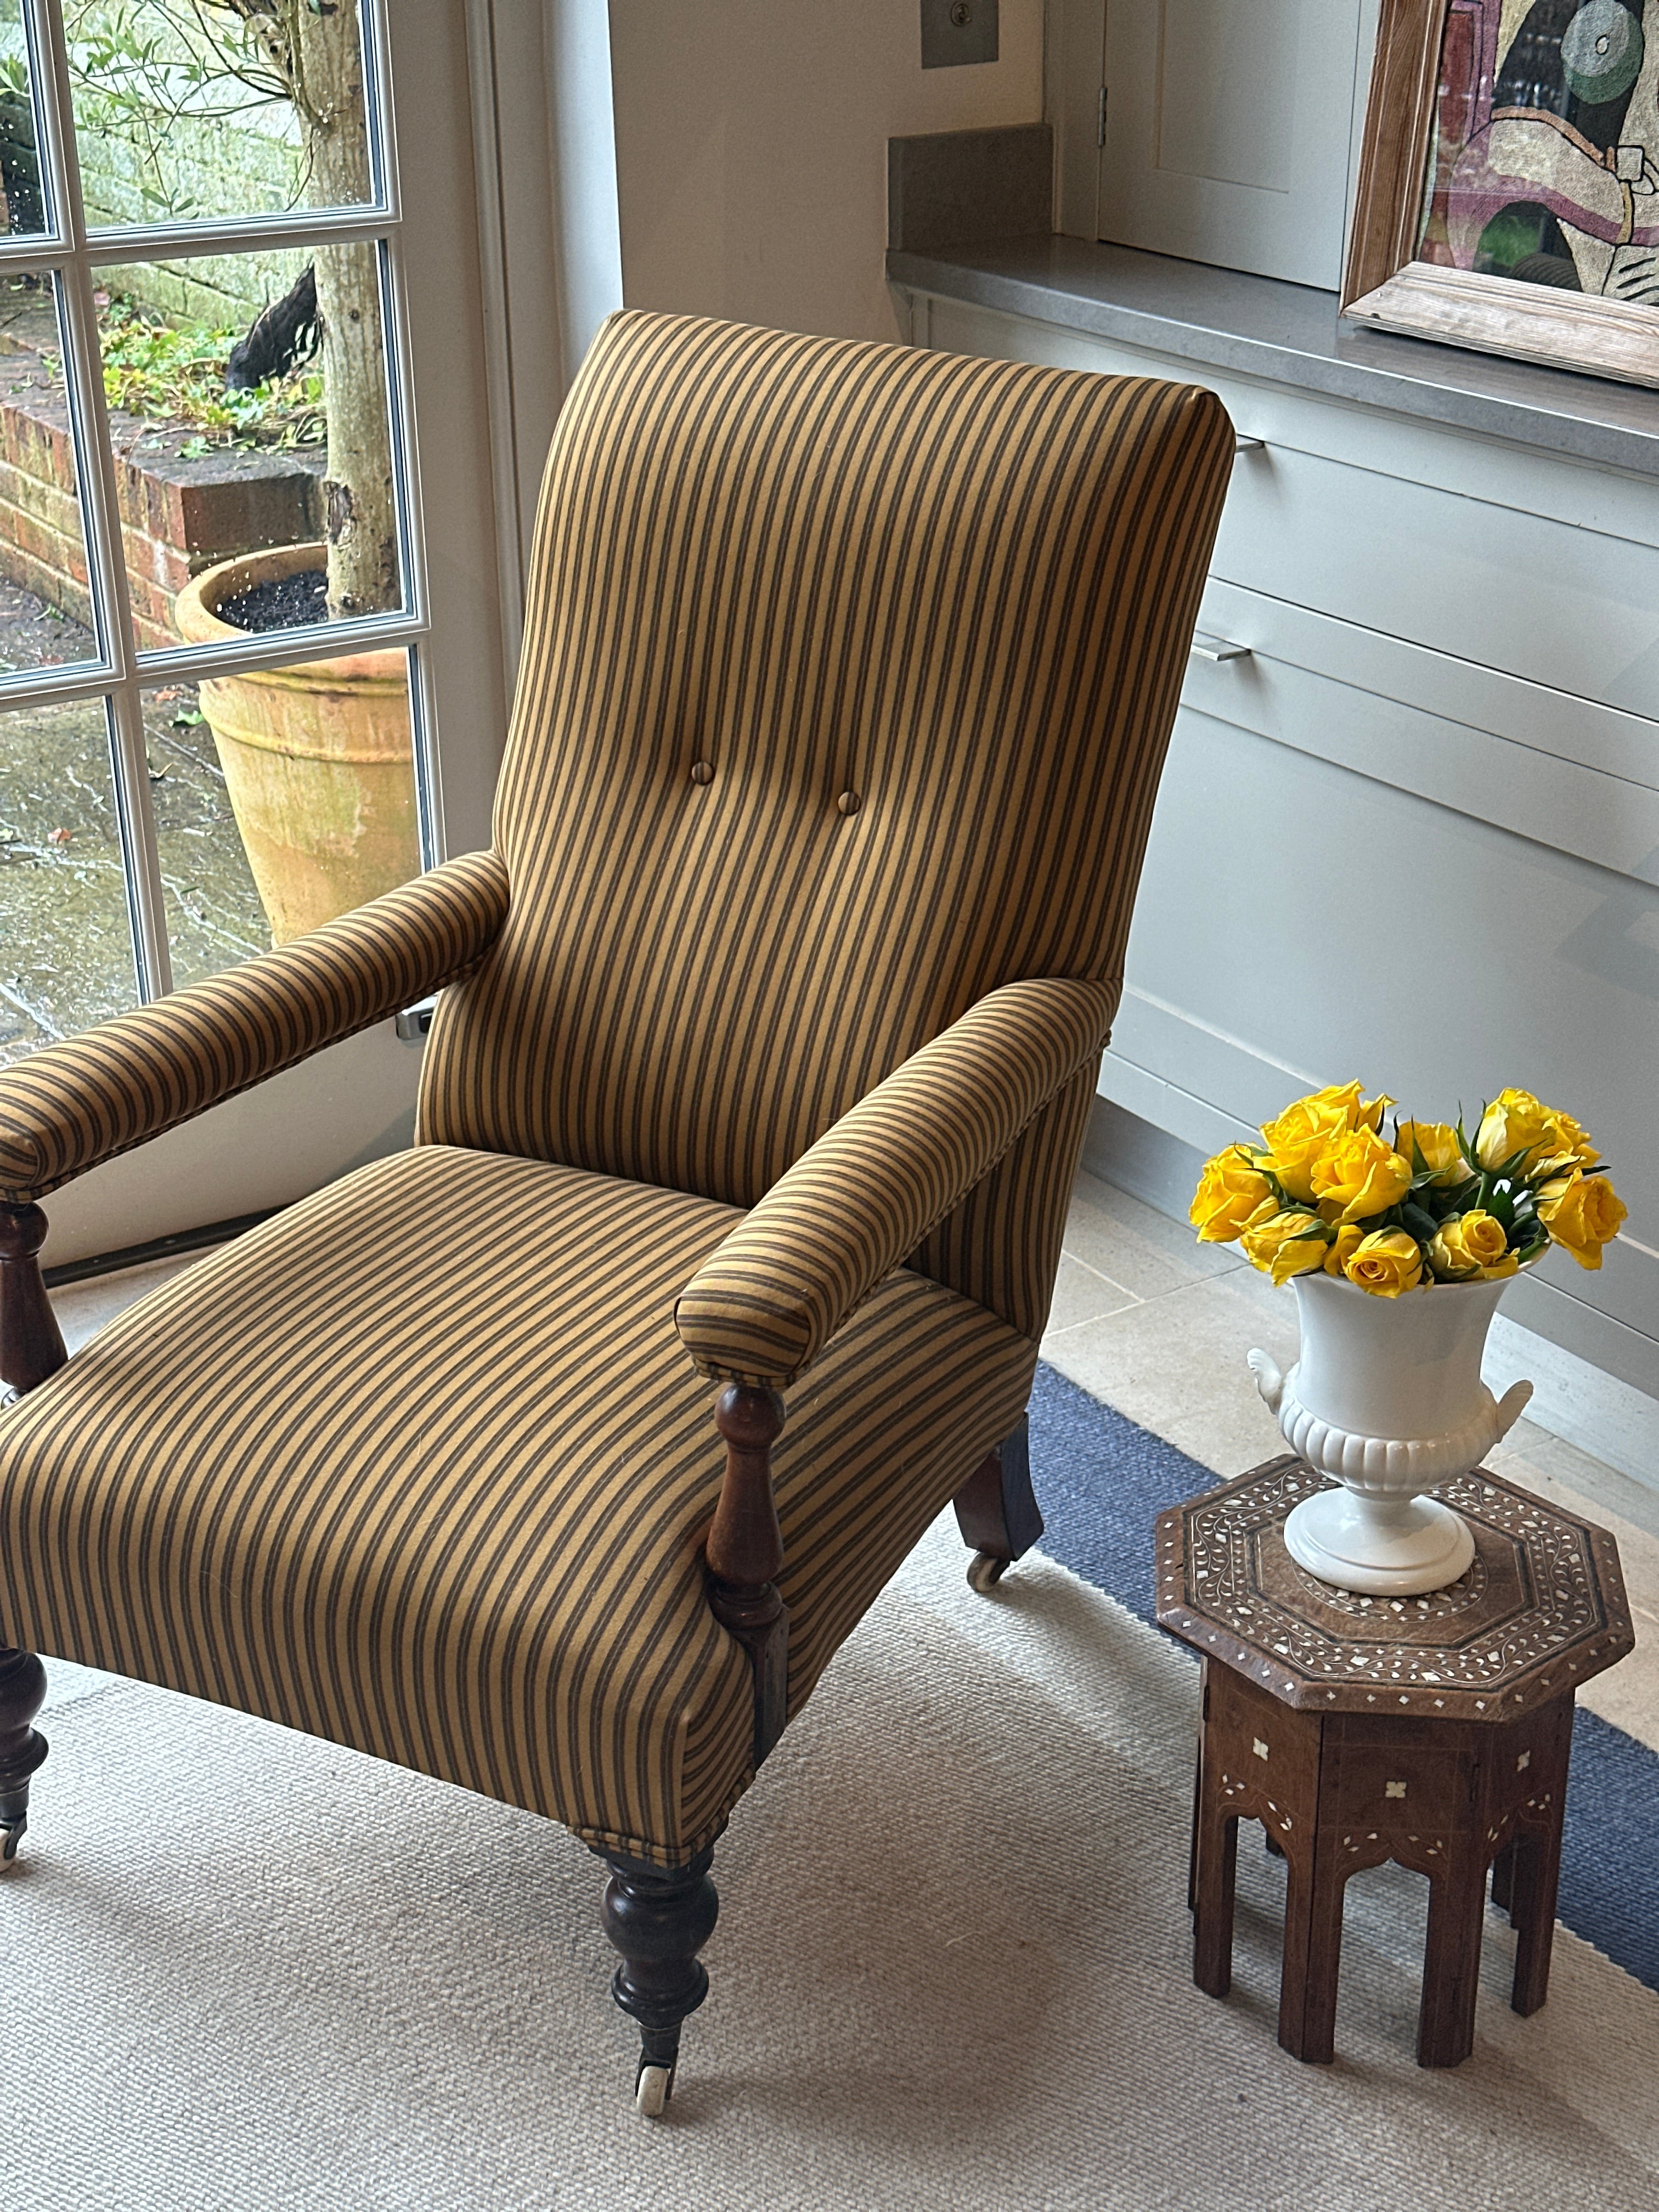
[22, 197]
[214, 916]
[248, 410]
[45, 606]
[188, 111]
[65, 943]
[282, 798]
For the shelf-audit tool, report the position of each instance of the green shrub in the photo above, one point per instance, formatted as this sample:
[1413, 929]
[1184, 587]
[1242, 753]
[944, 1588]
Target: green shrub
[177, 375]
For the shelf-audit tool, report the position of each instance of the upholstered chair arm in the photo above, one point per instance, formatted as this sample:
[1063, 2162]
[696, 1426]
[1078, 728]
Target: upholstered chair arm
[70, 1105]
[856, 1203]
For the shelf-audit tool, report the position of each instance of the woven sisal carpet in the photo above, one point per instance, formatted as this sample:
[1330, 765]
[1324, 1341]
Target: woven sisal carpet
[244, 1970]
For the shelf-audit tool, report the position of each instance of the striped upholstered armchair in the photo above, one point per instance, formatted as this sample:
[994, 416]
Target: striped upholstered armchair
[768, 1029]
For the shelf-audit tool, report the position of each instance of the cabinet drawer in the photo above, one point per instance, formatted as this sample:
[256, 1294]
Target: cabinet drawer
[1569, 773]
[1299, 924]
[1541, 600]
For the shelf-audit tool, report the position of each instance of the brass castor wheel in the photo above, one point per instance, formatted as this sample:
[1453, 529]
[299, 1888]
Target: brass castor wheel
[9, 1839]
[653, 2089]
[985, 1570]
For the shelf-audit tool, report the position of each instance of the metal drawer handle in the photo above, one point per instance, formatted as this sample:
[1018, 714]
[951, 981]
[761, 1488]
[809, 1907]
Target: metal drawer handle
[1218, 648]
[1243, 445]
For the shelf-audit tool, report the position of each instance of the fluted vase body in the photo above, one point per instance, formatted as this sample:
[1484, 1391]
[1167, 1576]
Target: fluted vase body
[1387, 1396]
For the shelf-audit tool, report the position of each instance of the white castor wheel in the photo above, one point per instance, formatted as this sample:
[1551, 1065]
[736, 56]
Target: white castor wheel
[9, 1839]
[985, 1570]
[651, 2091]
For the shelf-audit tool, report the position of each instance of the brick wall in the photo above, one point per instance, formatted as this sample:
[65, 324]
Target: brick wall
[178, 517]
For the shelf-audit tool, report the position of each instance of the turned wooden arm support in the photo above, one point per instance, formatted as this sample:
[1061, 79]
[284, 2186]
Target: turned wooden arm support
[30, 1342]
[859, 1202]
[70, 1106]
[745, 1552]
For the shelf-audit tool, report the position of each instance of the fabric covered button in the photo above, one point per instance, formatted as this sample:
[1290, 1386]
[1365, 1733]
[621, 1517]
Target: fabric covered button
[847, 803]
[702, 771]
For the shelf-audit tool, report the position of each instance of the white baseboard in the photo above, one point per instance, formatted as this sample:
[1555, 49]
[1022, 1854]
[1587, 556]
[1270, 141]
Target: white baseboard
[1609, 1419]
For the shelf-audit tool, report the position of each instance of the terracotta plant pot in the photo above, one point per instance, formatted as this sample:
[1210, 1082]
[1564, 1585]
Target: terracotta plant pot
[1387, 1397]
[319, 759]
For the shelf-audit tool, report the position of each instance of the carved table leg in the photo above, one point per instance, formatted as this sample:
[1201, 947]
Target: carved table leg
[22, 1693]
[996, 1508]
[1451, 1956]
[1536, 1859]
[1215, 1861]
[1313, 1948]
[1503, 1880]
[658, 1918]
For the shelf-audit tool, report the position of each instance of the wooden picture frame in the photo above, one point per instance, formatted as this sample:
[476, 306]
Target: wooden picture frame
[1401, 275]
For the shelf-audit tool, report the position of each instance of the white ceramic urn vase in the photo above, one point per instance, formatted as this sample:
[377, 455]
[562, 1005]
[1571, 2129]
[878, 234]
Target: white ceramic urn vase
[1387, 1396]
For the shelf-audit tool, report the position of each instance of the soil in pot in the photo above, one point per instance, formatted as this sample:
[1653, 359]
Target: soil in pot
[278, 602]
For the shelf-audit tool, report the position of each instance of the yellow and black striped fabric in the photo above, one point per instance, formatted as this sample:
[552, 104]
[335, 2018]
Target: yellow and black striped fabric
[70, 1105]
[421, 1467]
[836, 1224]
[848, 675]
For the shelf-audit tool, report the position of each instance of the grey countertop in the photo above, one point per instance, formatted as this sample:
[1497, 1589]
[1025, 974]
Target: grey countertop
[1258, 327]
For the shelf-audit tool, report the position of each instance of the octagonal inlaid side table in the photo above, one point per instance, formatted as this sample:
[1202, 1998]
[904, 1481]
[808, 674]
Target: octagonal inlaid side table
[1433, 1730]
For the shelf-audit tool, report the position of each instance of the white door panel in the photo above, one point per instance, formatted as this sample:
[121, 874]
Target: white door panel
[1227, 126]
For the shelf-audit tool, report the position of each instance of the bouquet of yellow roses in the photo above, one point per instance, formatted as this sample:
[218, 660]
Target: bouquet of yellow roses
[1325, 1189]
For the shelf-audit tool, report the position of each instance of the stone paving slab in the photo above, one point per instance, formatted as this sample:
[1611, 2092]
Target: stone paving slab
[65, 945]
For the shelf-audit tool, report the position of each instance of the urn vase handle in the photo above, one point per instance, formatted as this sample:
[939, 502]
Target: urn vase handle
[1512, 1405]
[1268, 1380]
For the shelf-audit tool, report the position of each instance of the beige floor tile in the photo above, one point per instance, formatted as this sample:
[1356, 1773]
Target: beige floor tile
[1176, 1365]
[1136, 1246]
[1081, 1294]
[1628, 1694]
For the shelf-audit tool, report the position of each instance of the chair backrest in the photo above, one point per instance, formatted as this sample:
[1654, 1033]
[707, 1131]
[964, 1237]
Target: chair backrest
[848, 675]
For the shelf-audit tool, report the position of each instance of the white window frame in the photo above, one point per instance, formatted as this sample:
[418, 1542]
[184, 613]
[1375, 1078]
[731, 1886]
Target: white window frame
[72, 251]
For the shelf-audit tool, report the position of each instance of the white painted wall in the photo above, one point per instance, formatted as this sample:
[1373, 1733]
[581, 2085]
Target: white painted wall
[751, 148]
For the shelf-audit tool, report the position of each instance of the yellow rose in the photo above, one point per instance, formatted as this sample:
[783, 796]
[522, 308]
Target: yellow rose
[1230, 1195]
[1342, 1247]
[1565, 1144]
[1582, 1214]
[1437, 1143]
[1386, 1263]
[1358, 1176]
[1308, 1125]
[1290, 1243]
[1472, 1247]
[1513, 1122]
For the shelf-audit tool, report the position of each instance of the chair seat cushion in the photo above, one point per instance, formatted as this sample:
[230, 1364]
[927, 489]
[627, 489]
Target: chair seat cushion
[422, 1467]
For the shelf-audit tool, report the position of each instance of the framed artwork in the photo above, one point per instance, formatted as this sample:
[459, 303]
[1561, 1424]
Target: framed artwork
[1509, 182]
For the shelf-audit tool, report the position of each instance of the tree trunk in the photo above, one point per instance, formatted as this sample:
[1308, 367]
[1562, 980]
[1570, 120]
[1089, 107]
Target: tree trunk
[360, 527]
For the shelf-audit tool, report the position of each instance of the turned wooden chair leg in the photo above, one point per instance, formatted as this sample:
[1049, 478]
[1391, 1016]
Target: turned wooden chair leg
[22, 1693]
[31, 1350]
[997, 1509]
[658, 1918]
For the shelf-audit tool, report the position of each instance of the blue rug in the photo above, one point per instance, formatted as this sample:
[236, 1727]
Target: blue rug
[1101, 1482]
